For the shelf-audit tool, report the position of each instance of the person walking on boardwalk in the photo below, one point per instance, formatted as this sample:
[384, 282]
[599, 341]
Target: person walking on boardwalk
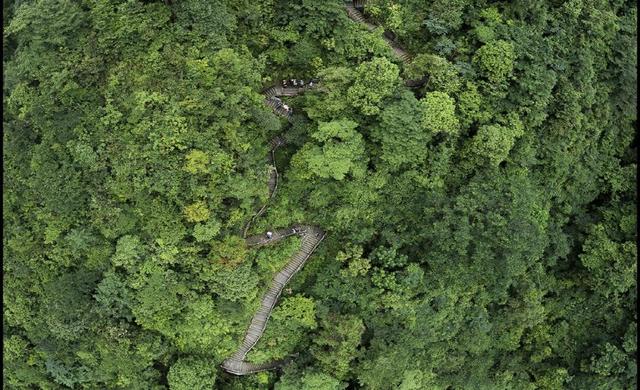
[269, 235]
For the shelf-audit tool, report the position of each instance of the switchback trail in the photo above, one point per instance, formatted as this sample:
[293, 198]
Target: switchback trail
[311, 235]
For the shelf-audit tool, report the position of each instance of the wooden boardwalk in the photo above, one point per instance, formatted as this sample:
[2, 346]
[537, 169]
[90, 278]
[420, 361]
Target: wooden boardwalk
[311, 235]
[272, 184]
[311, 238]
[355, 15]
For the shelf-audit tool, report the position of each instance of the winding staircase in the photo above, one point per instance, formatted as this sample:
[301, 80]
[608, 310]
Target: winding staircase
[311, 235]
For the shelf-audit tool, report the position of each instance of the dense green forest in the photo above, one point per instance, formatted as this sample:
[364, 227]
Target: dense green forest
[480, 228]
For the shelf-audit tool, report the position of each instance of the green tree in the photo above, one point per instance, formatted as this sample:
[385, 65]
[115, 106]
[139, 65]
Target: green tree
[197, 212]
[495, 61]
[339, 151]
[441, 74]
[494, 142]
[438, 113]
[309, 381]
[192, 373]
[196, 162]
[373, 81]
[336, 345]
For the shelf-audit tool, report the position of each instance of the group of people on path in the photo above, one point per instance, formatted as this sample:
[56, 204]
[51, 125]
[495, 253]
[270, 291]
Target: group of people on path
[291, 83]
[297, 83]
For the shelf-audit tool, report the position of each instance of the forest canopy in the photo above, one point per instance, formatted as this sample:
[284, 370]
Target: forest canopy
[481, 225]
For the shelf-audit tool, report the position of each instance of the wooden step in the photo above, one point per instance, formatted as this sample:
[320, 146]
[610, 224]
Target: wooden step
[258, 323]
[271, 92]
